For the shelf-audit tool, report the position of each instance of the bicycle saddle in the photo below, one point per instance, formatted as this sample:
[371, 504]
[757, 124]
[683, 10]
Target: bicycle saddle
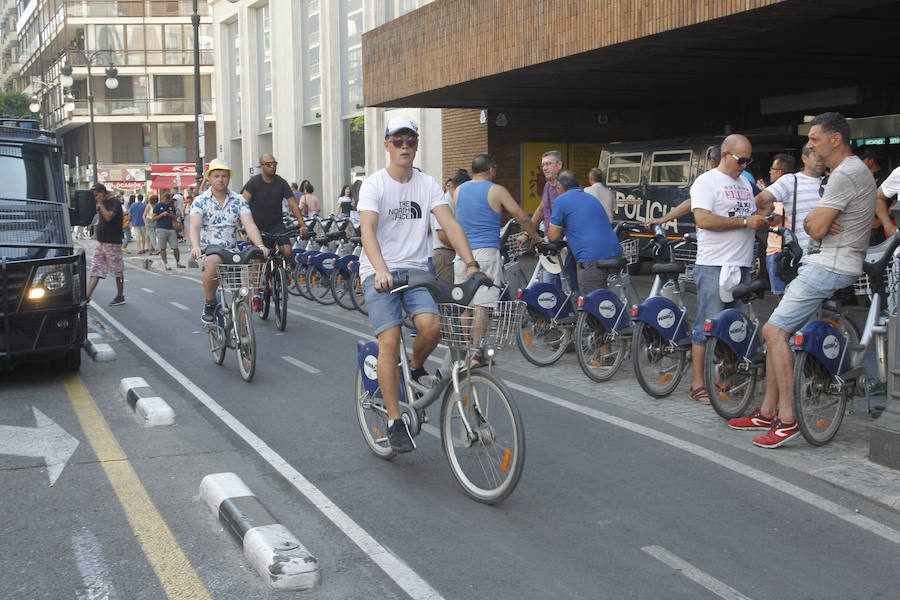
[550, 247]
[744, 291]
[667, 268]
[229, 256]
[356, 240]
[334, 235]
[618, 262]
[877, 257]
[322, 240]
[441, 291]
[308, 235]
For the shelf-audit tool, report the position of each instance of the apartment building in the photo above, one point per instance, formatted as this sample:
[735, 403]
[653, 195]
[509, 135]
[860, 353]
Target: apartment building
[139, 54]
[291, 85]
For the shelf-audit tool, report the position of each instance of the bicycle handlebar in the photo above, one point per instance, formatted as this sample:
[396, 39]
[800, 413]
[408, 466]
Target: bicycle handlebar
[441, 291]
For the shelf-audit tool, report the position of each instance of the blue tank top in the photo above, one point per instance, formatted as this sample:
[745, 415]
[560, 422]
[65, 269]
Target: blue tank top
[479, 221]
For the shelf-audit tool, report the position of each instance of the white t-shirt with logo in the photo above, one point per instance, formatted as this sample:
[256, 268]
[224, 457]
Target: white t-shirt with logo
[807, 199]
[403, 212]
[891, 185]
[727, 197]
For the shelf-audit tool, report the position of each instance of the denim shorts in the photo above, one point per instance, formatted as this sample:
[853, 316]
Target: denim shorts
[812, 286]
[386, 309]
[775, 284]
[709, 303]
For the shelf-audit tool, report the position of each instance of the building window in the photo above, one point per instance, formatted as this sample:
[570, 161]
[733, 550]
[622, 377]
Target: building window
[234, 77]
[170, 142]
[265, 67]
[624, 169]
[168, 86]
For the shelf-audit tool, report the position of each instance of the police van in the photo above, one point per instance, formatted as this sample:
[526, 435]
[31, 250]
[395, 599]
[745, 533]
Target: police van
[43, 306]
[650, 178]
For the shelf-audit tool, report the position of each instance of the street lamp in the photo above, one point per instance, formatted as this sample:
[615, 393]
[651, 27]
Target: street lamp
[90, 59]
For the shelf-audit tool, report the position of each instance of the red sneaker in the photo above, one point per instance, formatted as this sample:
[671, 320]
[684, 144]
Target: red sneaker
[755, 422]
[779, 434]
[256, 303]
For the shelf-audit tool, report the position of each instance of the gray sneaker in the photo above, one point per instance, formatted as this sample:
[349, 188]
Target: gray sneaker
[399, 437]
[117, 301]
[423, 377]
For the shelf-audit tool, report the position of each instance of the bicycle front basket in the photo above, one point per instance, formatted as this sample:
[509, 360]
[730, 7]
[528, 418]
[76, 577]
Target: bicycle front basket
[234, 277]
[478, 326]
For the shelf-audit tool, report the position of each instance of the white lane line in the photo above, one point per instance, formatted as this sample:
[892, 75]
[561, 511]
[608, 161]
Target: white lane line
[179, 305]
[813, 499]
[718, 588]
[148, 290]
[301, 364]
[393, 566]
[96, 581]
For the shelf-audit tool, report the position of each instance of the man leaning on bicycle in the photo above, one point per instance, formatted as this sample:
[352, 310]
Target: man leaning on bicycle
[839, 231]
[394, 208]
[220, 213]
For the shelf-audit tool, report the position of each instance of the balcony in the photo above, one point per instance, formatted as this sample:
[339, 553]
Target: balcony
[142, 107]
[149, 57]
[134, 8]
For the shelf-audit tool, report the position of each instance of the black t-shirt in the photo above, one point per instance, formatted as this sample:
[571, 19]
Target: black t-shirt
[162, 208]
[110, 232]
[266, 200]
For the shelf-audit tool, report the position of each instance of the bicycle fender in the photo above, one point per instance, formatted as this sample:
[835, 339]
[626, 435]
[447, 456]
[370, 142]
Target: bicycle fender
[342, 264]
[298, 255]
[367, 355]
[547, 300]
[324, 261]
[663, 315]
[735, 329]
[826, 342]
[607, 307]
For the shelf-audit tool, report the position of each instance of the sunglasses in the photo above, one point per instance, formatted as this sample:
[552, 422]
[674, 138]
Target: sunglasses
[411, 141]
[741, 160]
[270, 164]
[822, 186]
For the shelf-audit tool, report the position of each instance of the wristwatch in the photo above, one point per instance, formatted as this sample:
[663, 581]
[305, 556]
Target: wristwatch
[474, 263]
[745, 222]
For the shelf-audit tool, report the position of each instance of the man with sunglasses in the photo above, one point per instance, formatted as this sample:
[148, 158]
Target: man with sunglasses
[722, 203]
[838, 229]
[394, 208]
[266, 193]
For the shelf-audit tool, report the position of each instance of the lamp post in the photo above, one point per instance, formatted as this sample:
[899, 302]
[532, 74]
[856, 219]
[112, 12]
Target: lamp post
[200, 129]
[90, 59]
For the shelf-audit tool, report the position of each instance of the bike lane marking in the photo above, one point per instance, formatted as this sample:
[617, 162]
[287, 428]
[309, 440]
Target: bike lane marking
[179, 306]
[811, 498]
[92, 566]
[172, 567]
[720, 589]
[301, 364]
[393, 566]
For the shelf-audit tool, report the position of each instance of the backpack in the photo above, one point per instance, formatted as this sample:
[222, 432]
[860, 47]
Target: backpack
[789, 262]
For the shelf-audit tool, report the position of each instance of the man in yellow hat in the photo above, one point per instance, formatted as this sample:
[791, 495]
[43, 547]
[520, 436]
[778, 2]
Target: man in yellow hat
[216, 217]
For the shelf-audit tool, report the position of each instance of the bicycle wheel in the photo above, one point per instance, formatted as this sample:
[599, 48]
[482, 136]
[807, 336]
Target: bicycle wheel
[279, 297]
[290, 272]
[657, 368]
[372, 417]
[818, 408]
[266, 293]
[487, 463]
[217, 343]
[320, 286]
[340, 289]
[540, 341]
[731, 388]
[590, 338]
[246, 347]
[300, 279]
[357, 296]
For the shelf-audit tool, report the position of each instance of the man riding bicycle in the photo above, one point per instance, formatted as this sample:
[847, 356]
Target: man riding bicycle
[394, 206]
[220, 213]
[266, 193]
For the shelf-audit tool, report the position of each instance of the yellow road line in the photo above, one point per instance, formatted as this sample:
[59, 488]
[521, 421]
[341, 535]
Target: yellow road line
[172, 567]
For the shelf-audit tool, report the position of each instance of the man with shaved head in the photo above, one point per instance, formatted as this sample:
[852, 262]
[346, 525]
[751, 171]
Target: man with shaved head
[723, 207]
[265, 193]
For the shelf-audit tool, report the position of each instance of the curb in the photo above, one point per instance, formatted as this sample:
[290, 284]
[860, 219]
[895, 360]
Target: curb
[97, 350]
[151, 408]
[273, 551]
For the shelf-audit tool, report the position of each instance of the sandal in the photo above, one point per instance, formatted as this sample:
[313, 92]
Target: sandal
[699, 395]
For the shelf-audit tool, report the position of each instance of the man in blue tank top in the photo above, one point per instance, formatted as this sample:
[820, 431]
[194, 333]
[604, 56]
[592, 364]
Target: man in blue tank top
[479, 206]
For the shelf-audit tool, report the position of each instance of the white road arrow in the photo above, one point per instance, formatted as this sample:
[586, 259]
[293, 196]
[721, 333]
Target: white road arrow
[48, 441]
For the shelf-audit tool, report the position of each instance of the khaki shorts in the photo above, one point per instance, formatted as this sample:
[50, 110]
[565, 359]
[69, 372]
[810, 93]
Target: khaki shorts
[166, 237]
[491, 263]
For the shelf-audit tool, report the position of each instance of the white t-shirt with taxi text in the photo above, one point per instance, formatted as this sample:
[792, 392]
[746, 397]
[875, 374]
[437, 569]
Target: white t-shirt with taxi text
[726, 197]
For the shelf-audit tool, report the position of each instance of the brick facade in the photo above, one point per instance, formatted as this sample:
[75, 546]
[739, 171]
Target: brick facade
[464, 137]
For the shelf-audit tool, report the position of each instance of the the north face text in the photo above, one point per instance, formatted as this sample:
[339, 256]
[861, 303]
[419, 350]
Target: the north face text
[406, 210]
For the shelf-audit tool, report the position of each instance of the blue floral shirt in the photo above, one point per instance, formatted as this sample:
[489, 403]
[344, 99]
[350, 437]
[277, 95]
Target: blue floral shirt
[220, 224]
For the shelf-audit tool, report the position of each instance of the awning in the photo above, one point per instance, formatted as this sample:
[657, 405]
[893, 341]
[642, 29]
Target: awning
[163, 182]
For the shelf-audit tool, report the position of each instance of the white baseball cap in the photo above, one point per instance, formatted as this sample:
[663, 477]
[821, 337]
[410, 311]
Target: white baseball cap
[399, 124]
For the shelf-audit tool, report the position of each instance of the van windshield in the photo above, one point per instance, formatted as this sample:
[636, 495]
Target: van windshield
[32, 218]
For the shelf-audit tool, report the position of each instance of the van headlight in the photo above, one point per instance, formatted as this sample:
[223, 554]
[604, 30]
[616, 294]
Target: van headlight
[49, 281]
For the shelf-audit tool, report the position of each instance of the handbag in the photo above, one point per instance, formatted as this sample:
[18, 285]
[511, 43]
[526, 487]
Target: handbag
[789, 262]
